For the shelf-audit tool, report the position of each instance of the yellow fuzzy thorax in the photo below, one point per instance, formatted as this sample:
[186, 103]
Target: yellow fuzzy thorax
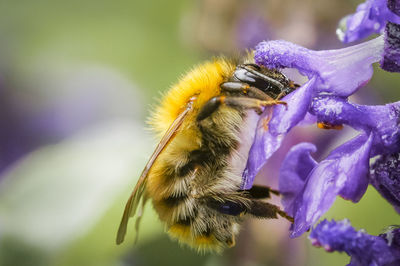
[203, 81]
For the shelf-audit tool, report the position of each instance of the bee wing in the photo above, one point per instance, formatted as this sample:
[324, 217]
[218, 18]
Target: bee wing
[137, 194]
[139, 216]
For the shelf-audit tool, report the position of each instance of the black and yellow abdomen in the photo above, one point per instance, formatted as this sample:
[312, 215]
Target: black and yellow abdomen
[191, 170]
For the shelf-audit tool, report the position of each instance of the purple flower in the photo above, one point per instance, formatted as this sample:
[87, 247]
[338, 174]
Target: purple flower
[309, 192]
[369, 18]
[382, 121]
[375, 16]
[363, 248]
[309, 188]
[328, 73]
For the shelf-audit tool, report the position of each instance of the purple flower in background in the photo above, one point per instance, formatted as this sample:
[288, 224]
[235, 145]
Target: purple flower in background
[255, 27]
[363, 248]
[369, 18]
[28, 123]
[375, 16]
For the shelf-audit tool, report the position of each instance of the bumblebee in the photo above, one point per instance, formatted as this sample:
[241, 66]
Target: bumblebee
[207, 124]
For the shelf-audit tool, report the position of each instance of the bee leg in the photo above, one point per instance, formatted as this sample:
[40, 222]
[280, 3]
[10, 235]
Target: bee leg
[235, 102]
[293, 85]
[262, 209]
[210, 107]
[250, 103]
[227, 207]
[261, 192]
[246, 89]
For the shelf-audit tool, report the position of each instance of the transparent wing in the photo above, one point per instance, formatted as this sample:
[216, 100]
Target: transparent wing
[138, 192]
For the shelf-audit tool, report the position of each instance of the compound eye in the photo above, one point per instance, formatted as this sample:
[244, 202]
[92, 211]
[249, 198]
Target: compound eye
[260, 81]
[245, 76]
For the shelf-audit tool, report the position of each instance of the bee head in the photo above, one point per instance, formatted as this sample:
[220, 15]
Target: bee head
[272, 82]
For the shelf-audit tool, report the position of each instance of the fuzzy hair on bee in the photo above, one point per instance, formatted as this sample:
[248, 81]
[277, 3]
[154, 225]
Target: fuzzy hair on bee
[207, 123]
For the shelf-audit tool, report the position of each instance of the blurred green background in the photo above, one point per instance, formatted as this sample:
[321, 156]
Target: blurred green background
[77, 81]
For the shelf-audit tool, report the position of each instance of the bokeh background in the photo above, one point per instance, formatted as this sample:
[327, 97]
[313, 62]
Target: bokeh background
[77, 81]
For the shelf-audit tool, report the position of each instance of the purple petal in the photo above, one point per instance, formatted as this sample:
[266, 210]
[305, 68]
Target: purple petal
[382, 120]
[363, 248]
[369, 18]
[391, 56]
[337, 110]
[327, 65]
[283, 54]
[264, 145]
[309, 119]
[293, 174]
[344, 172]
[298, 103]
[269, 134]
[385, 177]
[356, 181]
